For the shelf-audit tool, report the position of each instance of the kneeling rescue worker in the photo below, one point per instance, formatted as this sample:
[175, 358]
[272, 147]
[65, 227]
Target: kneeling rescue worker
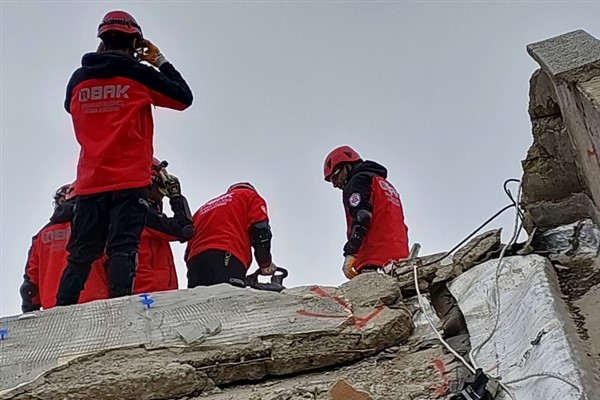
[226, 228]
[110, 99]
[47, 258]
[376, 230]
[156, 270]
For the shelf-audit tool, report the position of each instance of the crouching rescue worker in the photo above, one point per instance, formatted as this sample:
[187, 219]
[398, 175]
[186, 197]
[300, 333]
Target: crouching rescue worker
[156, 270]
[110, 99]
[376, 230]
[226, 229]
[47, 258]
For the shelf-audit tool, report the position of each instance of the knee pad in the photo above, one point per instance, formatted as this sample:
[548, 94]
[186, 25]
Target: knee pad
[121, 271]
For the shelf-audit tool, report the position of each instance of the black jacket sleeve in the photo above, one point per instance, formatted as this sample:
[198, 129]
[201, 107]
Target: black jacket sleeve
[70, 86]
[29, 291]
[179, 226]
[260, 236]
[357, 201]
[167, 87]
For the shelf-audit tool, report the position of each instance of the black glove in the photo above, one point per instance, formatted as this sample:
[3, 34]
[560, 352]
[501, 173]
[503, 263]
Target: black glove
[170, 185]
[29, 294]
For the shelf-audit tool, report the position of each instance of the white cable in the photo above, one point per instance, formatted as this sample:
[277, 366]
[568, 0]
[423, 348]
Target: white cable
[438, 334]
[516, 232]
[473, 365]
[441, 339]
[513, 239]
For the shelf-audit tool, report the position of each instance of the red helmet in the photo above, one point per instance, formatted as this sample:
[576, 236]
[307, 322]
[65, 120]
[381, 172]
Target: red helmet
[157, 165]
[337, 156]
[241, 185]
[119, 21]
[64, 193]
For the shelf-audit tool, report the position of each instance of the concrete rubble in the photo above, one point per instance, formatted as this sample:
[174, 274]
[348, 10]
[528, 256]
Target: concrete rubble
[534, 333]
[368, 339]
[116, 349]
[575, 251]
[438, 268]
[417, 370]
[561, 180]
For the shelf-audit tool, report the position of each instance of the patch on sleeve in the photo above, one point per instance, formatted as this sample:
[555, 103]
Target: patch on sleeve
[354, 199]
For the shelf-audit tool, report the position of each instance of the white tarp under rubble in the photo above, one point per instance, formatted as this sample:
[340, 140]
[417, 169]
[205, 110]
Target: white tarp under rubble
[535, 334]
[191, 339]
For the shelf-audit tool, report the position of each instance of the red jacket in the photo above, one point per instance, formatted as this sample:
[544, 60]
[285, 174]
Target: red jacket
[386, 238]
[110, 100]
[47, 260]
[224, 223]
[156, 271]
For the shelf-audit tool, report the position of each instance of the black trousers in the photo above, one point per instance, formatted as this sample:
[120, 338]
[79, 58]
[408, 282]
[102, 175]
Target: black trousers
[111, 222]
[213, 267]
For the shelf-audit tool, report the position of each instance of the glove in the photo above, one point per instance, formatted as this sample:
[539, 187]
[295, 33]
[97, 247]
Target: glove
[29, 307]
[150, 53]
[268, 270]
[170, 185]
[348, 267]
[29, 296]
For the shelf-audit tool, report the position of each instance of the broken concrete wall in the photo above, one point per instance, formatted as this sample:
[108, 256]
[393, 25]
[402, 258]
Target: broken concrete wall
[190, 340]
[561, 180]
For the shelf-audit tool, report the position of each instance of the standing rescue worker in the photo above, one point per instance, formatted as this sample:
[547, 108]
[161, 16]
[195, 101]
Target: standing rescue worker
[226, 229]
[47, 258]
[110, 99]
[376, 230]
[156, 270]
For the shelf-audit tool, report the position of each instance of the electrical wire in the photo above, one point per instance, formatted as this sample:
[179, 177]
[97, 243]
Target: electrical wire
[441, 339]
[435, 330]
[472, 366]
[517, 229]
[480, 227]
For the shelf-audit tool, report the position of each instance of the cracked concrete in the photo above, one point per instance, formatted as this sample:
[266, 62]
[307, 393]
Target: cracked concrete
[311, 328]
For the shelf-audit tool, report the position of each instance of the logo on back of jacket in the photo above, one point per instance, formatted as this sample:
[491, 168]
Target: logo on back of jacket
[390, 191]
[220, 201]
[56, 237]
[101, 99]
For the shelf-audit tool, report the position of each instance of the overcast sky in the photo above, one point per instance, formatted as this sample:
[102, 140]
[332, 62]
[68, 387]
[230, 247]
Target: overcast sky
[437, 92]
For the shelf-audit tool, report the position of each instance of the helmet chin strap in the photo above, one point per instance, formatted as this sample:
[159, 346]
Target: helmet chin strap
[347, 168]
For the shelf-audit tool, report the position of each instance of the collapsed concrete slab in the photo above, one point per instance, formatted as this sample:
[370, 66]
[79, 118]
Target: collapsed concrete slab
[534, 334]
[190, 340]
[418, 369]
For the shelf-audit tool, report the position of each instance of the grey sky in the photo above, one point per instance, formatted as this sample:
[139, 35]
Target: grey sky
[437, 92]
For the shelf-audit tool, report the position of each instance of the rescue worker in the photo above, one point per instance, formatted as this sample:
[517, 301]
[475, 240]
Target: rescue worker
[376, 231]
[47, 258]
[226, 229]
[156, 270]
[110, 99]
